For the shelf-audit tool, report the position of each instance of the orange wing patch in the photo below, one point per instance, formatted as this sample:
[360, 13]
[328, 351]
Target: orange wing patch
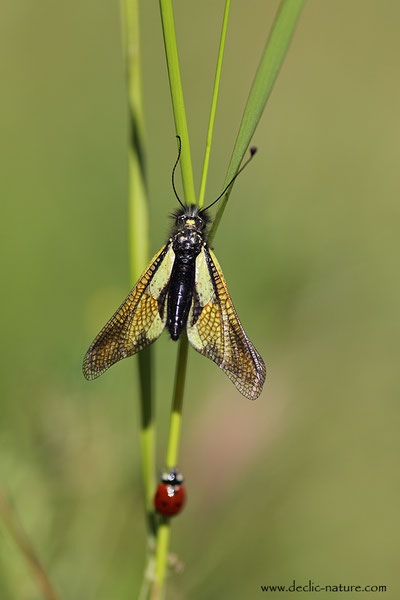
[215, 331]
[138, 322]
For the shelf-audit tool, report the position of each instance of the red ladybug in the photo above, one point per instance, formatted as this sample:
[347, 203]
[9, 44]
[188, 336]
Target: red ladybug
[171, 494]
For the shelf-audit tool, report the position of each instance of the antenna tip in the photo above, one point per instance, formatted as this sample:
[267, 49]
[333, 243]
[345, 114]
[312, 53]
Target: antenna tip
[253, 150]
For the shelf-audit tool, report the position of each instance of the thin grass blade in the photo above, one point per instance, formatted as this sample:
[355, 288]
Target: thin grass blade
[271, 61]
[178, 106]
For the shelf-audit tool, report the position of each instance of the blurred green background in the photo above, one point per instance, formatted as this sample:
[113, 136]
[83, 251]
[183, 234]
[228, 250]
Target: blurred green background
[303, 483]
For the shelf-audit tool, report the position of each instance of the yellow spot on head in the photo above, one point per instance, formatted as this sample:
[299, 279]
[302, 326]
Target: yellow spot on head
[190, 222]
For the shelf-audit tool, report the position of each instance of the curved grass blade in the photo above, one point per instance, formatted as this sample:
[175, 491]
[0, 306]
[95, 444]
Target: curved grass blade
[271, 61]
[25, 546]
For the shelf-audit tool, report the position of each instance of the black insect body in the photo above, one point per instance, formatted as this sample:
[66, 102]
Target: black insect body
[187, 240]
[182, 289]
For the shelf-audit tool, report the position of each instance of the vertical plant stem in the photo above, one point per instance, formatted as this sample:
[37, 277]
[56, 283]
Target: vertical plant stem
[177, 402]
[139, 235]
[26, 548]
[163, 537]
[214, 104]
[171, 53]
[164, 529]
[147, 437]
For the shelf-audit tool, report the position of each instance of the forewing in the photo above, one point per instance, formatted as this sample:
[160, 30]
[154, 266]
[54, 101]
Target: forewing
[138, 322]
[215, 331]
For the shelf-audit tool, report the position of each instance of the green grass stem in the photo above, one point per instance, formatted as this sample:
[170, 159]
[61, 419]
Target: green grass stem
[177, 402]
[139, 235]
[175, 84]
[171, 53]
[214, 104]
[271, 61]
[163, 536]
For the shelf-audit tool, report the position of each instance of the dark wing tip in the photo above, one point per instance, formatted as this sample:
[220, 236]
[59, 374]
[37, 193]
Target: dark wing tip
[89, 368]
[260, 378]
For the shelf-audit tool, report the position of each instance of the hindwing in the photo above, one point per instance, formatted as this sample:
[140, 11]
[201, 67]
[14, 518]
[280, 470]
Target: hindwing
[138, 322]
[214, 329]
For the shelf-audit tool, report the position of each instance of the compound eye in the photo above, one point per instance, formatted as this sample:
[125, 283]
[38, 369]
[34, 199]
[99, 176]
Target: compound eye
[182, 220]
[199, 223]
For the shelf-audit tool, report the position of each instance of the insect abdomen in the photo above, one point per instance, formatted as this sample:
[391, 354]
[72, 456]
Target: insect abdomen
[180, 294]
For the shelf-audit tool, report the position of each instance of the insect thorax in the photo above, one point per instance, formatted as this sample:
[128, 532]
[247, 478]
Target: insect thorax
[189, 231]
[187, 242]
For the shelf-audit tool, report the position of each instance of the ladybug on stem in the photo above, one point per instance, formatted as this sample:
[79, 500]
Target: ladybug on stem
[171, 494]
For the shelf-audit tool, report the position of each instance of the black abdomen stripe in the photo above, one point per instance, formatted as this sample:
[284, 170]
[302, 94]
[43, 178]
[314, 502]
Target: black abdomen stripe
[180, 294]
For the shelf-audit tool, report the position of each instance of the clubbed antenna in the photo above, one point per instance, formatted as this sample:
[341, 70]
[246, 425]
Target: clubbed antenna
[253, 150]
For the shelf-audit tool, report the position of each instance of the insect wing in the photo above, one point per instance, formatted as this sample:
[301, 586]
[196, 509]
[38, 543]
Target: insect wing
[138, 322]
[215, 331]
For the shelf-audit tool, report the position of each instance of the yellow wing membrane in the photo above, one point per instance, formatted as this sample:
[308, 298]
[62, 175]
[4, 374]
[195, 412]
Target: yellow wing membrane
[138, 322]
[214, 329]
